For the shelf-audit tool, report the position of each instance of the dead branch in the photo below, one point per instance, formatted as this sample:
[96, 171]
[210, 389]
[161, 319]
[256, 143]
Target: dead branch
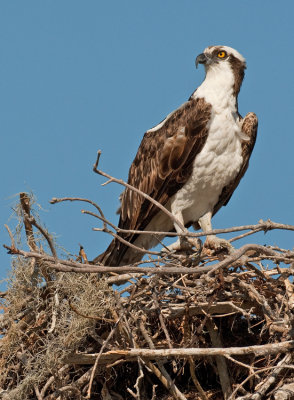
[161, 354]
[196, 382]
[264, 226]
[146, 196]
[263, 388]
[286, 392]
[99, 355]
[73, 266]
[220, 361]
[161, 373]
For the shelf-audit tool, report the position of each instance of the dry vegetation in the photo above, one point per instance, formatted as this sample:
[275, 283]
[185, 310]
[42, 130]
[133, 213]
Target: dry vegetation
[188, 326]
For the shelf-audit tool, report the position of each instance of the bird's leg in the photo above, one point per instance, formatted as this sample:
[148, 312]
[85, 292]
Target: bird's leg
[183, 243]
[213, 242]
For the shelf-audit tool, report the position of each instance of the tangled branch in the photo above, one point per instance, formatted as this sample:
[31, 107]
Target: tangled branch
[207, 327]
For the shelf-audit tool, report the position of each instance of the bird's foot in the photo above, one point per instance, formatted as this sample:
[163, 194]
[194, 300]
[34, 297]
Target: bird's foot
[184, 244]
[214, 245]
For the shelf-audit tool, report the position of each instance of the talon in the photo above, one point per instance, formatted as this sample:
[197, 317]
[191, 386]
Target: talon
[184, 244]
[218, 244]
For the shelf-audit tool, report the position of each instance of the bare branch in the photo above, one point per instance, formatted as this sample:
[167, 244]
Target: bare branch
[195, 380]
[11, 236]
[45, 234]
[146, 196]
[99, 355]
[262, 226]
[73, 266]
[160, 354]
[220, 361]
[55, 200]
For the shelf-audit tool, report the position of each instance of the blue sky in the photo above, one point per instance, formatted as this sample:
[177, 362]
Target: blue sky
[78, 76]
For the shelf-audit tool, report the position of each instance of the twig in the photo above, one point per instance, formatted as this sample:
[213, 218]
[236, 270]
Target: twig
[99, 356]
[30, 221]
[161, 373]
[139, 380]
[26, 209]
[11, 236]
[220, 361]
[52, 379]
[55, 200]
[54, 313]
[247, 397]
[37, 392]
[261, 390]
[238, 253]
[71, 388]
[161, 319]
[137, 384]
[49, 240]
[119, 279]
[166, 380]
[195, 380]
[250, 367]
[154, 392]
[146, 196]
[163, 325]
[245, 235]
[89, 316]
[127, 243]
[259, 298]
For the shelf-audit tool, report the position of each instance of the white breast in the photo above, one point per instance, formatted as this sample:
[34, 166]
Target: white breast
[214, 167]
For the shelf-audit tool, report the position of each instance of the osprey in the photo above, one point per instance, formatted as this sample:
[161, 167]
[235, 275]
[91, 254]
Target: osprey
[190, 163]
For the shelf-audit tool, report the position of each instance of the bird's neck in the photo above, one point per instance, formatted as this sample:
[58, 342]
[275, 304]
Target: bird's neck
[218, 89]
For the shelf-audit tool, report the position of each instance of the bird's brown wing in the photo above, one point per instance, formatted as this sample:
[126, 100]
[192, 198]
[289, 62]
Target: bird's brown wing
[249, 129]
[163, 164]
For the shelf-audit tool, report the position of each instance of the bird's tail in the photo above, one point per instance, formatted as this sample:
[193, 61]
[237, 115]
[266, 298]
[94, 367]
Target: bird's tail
[118, 253]
[110, 256]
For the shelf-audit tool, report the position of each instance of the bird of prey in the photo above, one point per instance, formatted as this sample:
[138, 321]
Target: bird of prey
[190, 163]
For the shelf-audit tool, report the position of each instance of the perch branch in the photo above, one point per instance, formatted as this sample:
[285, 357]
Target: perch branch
[73, 266]
[262, 226]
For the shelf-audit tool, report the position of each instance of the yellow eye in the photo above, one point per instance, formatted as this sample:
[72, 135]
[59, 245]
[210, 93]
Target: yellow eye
[221, 54]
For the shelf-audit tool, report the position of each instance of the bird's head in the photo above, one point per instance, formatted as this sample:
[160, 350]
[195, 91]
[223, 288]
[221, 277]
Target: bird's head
[223, 59]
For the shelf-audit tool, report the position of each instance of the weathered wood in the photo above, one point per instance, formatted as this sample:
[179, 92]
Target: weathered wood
[132, 354]
[224, 307]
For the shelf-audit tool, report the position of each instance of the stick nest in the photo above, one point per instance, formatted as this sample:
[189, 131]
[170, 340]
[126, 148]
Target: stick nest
[220, 328]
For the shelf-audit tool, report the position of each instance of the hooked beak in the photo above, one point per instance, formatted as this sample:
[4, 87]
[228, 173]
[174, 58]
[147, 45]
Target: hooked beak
[201, 59]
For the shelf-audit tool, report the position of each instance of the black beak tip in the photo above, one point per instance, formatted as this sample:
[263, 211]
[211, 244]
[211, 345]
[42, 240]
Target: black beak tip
[200, 59]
